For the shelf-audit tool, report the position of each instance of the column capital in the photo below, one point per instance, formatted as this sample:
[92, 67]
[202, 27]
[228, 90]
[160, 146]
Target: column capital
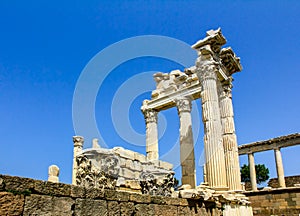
[226, 90]
[207, 66]
[150, 115]
[183, 104]
[78, 141]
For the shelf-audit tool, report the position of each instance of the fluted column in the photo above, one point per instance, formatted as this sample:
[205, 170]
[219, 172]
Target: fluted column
[78, 144]
[252, 171]
[207, 70]
[279, 168]
[232, 164]
[187, 157]
[151, 134]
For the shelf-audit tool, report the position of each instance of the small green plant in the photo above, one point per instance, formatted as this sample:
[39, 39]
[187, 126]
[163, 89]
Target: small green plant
[262, 173]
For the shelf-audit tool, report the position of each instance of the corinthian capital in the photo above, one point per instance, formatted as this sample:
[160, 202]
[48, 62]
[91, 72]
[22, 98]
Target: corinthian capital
[150, 115]
[78, 140]
[207, 71]
[183, 104]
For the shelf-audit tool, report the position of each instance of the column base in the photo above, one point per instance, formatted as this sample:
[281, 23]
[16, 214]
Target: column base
[219, 189]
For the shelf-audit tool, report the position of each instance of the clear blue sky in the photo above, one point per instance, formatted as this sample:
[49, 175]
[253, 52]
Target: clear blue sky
[44, 46]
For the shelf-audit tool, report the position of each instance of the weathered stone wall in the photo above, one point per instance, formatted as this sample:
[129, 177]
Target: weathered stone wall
[23, 196]
[290, 181]
[281, 202]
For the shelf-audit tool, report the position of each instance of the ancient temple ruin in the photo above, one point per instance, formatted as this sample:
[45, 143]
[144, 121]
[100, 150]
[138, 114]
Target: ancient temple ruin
[210, 80]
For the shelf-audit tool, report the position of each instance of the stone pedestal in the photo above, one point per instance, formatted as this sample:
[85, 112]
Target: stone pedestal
[279, 168]
[53, 173]
[151, 134]
[229, 137]
[78, 144]
[187, 157]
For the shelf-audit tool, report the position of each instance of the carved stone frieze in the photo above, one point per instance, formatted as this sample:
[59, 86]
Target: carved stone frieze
[90, 176]
[157, 186]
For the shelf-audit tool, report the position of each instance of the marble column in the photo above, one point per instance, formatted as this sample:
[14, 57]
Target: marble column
[151, 134]
[78, 144]
[252, 171]
[232, 164]
[187, 157]
[279, 168]
[207, 70]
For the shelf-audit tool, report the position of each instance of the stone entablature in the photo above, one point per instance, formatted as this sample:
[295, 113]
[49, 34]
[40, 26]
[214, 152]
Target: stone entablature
[270, 144]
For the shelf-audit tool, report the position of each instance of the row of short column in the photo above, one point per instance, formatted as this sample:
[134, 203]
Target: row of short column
[279, 169]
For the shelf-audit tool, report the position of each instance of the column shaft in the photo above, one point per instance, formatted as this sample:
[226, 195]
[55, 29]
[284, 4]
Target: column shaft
[229, 138]
[187, 157]
[78, 143]
[279, 168]
[252, 171]
[151, 134]
[213, 143]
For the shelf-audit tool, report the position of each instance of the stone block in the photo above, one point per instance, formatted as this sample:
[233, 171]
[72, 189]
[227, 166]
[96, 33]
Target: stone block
[196, 210]
[165, 165]
[124, 153]
[53, 189]
[133, 184]
[173, 201]
[77, 192]
[122, 162]
[11, 204]
[127, 173]
[14, 183]
[117, 195]
[140, 198]
[129, 164]
[137, 166]
[2, 185]
[126, 208]
[47, 205]
[140, 157]
[94, 193]
[165, 210]
[158, 200]
[144, 210]
[155, 163]
[113, 208]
